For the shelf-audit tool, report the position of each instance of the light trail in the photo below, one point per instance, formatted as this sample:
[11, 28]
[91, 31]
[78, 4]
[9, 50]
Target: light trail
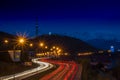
[18, 76]
[67, 70]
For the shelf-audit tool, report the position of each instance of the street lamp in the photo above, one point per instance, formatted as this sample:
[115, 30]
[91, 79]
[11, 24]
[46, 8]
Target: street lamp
[41, 44]
[57, 48]
[46, 47]
[6, 41]
[31, 44]
[21, 40]
[53, 47]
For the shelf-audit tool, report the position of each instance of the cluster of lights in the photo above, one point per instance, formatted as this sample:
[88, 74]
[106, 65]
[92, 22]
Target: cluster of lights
[53, 51]
[56, 51]
[20, 40]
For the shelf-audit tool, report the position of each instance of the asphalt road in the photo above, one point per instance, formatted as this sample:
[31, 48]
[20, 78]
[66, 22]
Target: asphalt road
[18, 76]
[68, 70]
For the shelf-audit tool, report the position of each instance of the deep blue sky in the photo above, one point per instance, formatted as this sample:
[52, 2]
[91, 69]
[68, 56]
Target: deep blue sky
[86, 19]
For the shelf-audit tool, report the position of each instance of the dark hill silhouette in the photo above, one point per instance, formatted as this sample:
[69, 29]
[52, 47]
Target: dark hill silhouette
[68, 44]
[6, 36]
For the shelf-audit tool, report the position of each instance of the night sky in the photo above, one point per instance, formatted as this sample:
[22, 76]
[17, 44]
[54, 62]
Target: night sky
[85, 19]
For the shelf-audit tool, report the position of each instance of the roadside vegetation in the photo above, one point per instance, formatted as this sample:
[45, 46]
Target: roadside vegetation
[12, 68]
[89, 72]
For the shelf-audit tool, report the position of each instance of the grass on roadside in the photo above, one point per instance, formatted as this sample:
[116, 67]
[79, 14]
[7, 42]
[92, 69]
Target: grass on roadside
[12, 68]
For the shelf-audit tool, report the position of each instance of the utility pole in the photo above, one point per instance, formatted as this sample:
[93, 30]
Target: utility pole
[36, 34]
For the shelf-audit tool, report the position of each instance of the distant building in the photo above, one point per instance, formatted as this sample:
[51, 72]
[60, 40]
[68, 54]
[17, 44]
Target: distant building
[50, 33]
[112, 49]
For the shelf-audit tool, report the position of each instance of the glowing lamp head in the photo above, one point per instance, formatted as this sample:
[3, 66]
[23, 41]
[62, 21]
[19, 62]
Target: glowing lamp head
[53, 47]
[57, 48]
[21, 40]
[46, 47]
[31, 44]
[41, 44]
[6, 41]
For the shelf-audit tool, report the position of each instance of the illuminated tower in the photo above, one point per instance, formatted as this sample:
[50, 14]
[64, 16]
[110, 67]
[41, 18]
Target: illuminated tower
[50, 33]
[36, 26]
[112, 48]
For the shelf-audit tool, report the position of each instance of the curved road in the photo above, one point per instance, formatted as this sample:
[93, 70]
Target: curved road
[18, 76]
[67, 70]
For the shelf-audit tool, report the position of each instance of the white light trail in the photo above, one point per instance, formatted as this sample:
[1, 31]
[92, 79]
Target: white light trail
[43, 67]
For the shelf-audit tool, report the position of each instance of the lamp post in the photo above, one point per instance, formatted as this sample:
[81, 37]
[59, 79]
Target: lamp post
[6, 43]
[41, 45]
[31, 51]
[21, 41]
[46, 47]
